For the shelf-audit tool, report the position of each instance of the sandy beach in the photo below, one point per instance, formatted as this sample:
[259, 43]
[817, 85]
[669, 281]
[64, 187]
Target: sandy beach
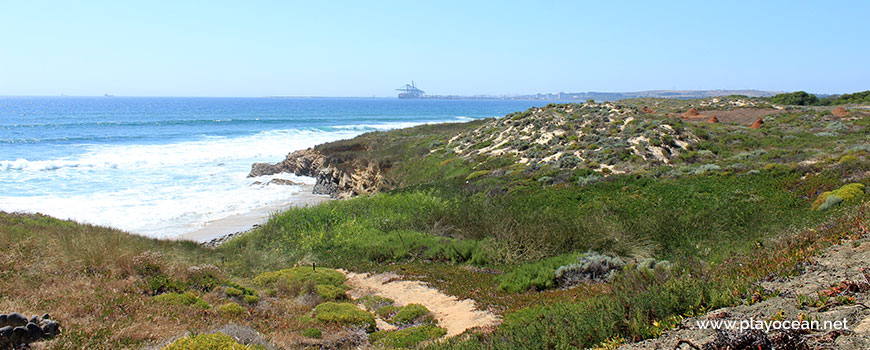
[243, 222]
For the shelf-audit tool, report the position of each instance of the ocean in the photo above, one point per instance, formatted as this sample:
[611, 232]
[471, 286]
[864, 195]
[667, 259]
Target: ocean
[162, 167]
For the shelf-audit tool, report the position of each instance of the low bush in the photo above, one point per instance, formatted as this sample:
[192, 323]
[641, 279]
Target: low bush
[344, 314]
[830, 199]
[251, 299]
[217, 341]
[374, 302]
[412, 314]
[233, 292]
[312, 333]
[387, 312]
[232, 310]
[330, 293]
[406, 338]
[589, 267]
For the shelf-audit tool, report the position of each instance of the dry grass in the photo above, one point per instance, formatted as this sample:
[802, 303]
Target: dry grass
[94, 281]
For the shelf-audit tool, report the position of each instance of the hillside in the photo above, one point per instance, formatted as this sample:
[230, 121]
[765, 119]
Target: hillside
[567, 226]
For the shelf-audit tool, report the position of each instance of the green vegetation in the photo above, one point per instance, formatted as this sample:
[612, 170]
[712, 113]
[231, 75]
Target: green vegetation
[829, 199]
[232, 310]
[217, 341]
[407, 337]
[312, 333]
[412, 314]
[344, 314]
[605, 224]
[801, 98]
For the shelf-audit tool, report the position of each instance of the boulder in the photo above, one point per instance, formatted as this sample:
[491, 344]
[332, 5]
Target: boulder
[15, 319]
[260, 169]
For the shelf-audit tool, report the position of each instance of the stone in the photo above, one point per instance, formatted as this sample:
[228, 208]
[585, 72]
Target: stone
[3, 321]
[5, 332]
[51, 329]
[260, 169]
[34, 332]
[46, 317]
[15, 319]
[19, 335]
[34, 319]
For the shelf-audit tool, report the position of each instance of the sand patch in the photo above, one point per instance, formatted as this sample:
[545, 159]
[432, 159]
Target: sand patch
[455, 315]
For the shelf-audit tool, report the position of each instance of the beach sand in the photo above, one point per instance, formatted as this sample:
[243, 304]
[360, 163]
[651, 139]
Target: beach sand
[244, 222]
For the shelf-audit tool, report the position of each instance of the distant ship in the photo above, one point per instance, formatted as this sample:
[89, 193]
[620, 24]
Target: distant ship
[410, 91]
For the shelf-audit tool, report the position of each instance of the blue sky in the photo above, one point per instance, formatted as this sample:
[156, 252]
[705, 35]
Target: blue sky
[353, 48]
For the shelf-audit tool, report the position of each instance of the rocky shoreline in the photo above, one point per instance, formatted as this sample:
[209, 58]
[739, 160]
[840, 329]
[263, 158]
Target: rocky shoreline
[336, 175]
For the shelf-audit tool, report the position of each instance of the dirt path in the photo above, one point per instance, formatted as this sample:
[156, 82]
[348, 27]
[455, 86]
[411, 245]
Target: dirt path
[453, 314]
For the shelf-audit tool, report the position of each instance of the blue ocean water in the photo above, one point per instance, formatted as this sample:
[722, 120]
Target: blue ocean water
[165, 166]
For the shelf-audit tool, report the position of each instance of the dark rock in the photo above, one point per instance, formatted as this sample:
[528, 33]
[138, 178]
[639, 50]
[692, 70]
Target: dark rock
[5, 336]
[34, 319]
[19, 335]
[260, 169]
[34, 332]
[46, 317]
[3, 321]
[15, 319]
[51, 329]
[283, 182]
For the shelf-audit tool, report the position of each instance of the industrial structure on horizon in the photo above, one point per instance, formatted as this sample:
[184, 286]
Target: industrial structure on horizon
[410, 91]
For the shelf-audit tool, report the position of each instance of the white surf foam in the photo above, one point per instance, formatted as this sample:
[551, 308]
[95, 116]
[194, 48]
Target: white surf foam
[161, 190]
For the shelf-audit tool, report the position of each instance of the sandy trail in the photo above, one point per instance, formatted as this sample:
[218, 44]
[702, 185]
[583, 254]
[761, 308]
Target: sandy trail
[453, 314]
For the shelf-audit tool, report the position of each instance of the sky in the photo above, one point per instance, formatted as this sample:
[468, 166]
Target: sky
[359, 48]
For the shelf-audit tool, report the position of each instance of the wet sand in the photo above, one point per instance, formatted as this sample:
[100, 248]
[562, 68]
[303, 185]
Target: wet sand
[244, 222]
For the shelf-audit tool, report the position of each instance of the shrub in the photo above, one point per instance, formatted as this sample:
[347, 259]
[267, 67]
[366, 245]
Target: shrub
[830, 199]
[301, 273]
[330, 293]
[233, 292]
[232, 310]
[374, 302]
[406, 338]
[187, 298]
[797, 98]
[251, 299]
[848, 159]
[412, 314]
[344, 314]
[592, 266]
[538, 275]
[387, 312]
[217, 341]
[312, 333]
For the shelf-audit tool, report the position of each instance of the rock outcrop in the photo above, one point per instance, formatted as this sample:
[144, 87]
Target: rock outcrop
[337, 175]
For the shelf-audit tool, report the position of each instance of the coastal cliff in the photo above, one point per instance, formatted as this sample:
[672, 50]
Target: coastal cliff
[336, 176]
